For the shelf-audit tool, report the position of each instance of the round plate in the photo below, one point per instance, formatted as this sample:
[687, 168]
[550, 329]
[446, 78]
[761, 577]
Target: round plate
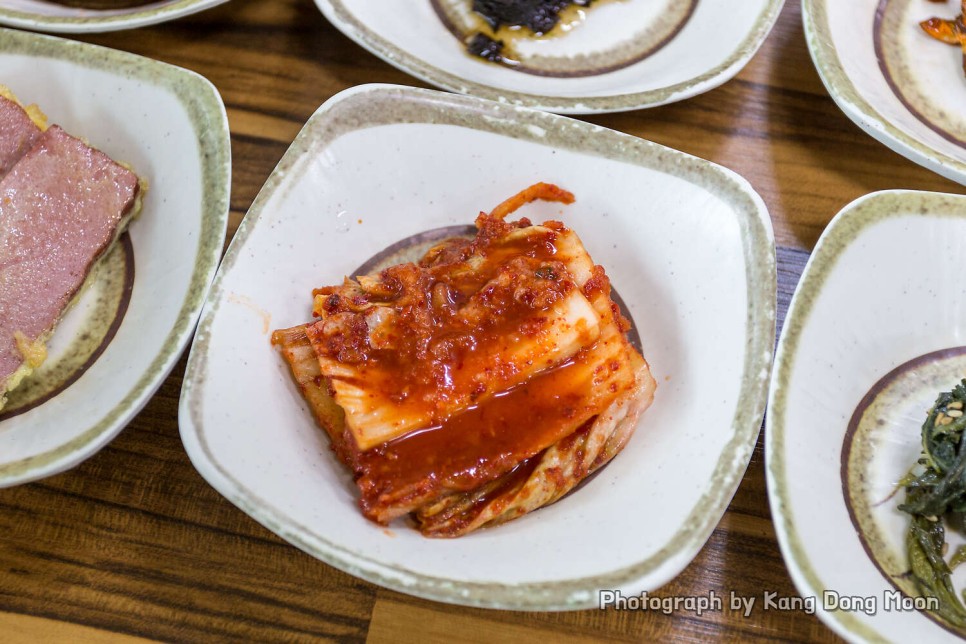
[623, 56]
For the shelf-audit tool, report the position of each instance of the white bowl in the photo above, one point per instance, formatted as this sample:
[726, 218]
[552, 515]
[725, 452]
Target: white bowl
[882, 288]
[170, 125]
[42, 15]
[702, 50]
[680, 238]
[895, 82]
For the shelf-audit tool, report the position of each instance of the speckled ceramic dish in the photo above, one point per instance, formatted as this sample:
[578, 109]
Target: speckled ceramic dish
[128, 326]
[623, 55]
[898, 84]
[57, 17]
[379, 164]
[874, 332]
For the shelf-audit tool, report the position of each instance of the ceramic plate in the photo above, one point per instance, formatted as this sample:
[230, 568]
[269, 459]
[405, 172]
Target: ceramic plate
[898, 84]
[874, 332]
[379, 164]
[49, 15]
[128, 327]
[622, 56]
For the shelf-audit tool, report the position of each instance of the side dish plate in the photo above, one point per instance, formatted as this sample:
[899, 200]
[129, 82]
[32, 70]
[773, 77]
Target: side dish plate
[624, 56]
[873, 334]
[46, 15]
[687, 244]
[170, 125]
[902, 87]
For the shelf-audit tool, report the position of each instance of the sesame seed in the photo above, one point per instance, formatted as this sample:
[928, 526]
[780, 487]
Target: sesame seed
[954, 413]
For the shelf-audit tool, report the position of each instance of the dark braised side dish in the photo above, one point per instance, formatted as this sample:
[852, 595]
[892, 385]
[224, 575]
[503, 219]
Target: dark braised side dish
[499, 18]
[486, 48]
[539, 16]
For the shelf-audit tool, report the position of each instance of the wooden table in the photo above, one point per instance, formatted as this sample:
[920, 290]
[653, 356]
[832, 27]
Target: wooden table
[134, 543]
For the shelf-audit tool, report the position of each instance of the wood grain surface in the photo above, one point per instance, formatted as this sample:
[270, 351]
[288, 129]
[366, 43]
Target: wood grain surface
[134, 544]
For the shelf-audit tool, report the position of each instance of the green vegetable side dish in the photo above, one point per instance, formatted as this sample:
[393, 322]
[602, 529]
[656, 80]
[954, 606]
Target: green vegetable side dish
[936, 496]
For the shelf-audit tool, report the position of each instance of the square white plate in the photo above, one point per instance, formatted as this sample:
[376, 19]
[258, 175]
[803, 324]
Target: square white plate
[169, 124]
[706, 47]
[902, 87]
[687, 244]
[880, 295]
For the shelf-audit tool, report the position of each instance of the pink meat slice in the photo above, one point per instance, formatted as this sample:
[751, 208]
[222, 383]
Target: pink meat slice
[17, 134]
[60, 208]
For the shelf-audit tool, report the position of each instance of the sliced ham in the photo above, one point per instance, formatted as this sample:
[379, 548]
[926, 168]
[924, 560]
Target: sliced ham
[18, 133]
[61, 206]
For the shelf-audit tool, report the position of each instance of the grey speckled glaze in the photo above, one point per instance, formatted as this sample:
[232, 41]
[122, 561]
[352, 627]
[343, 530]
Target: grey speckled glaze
[350, 25]
[374, 105]
[839, 235]
[207, 113]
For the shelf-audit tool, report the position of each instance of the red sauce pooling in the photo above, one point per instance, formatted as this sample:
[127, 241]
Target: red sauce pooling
[445, 328]
[488, 440]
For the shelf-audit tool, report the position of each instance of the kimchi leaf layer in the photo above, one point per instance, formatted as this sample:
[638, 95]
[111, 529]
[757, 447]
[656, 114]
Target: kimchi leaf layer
[457, 373]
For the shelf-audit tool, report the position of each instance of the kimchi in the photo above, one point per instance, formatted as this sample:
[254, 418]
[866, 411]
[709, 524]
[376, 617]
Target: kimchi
[478, 384]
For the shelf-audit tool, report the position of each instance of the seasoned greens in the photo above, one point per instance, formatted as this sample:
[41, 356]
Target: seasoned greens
[938, 495]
